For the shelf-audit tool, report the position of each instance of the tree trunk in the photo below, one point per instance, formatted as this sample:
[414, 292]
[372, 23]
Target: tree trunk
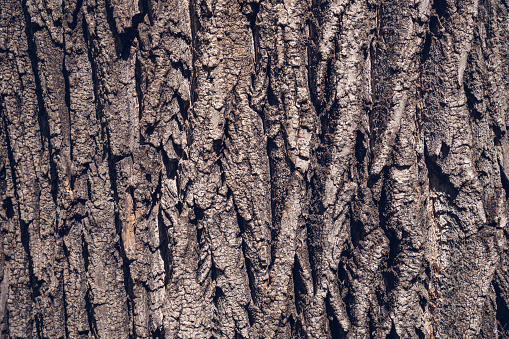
[254, 169]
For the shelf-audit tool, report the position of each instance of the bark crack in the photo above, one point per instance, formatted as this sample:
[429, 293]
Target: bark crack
[42, 115]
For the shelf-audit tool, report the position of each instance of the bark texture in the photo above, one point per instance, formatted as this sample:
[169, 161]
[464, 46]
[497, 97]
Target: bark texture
[254, 169]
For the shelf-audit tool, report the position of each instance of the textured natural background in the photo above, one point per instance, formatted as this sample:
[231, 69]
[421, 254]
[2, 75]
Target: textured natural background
[254, 169]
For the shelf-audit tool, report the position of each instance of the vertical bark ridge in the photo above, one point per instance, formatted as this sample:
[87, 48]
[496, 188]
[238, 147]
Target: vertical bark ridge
[400, 36]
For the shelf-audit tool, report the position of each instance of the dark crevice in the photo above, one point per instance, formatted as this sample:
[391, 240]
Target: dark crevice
[25, 241]
[343, 275]
[329, 103]
[199, 214]
[272, 98]
[382, 203]
[74, 22]
[472, 104]
[394, 249]
[67, 91]
[215, 272]
[392, 334]
[128, 282]
[360, 151]
[90, 314]
[183, 108]
[217, 146]
[64, 299]
[155, 196]
[159, 333]
[277, 194]
[328, 123]
[379, 114]
[299, 287]
[218, 294]
[314, 258]
[438, 180]
[38, 324]
[499, 135]
[444, 150]
[86, 255]
[3, 170]
[170, 166]
[505, 182]
[242, 226]
[145, 7]
[441, 8]
[381, 298]
[194, 29]
[8, 207]
[250, 315]
[252, 9]
[35, 284]
[389, 277]
[502, 314]
[113, 183]
[99, 114]
[435, 26]
[149, 130]
[42, 116]
[426, 48]
[164, 248]
[127, 38]
[123, 41]
[138, 72]
[356, 231]
[335, 327]
[201, 238]
[314, 231]
[311, 54]
[297, 330]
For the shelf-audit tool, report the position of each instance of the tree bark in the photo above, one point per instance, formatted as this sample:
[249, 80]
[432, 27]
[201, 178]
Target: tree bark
[254, 169]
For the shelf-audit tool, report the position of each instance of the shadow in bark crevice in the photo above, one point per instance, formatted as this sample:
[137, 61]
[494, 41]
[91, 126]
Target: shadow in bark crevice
[299, 287]
[336, 330]
[502, 313]
[42, 116]
[164, 248]
[124, 41]
[89, 308]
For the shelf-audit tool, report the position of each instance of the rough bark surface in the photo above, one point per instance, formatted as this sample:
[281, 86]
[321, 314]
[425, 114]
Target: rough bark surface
[254, 169]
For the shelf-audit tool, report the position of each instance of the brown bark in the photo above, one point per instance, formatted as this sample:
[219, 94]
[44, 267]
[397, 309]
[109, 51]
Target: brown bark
[254, 169]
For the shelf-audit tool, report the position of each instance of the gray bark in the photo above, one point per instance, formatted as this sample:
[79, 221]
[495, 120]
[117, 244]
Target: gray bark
[254, 169]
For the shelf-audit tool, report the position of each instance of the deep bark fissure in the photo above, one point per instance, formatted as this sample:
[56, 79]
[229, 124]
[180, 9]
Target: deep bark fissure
[164, 247]
[67, 97]
[72, 25]
[247, 263]
[194, 29]
[254, 9]
[336, 330]
[90, 314]
[42, 115]
[99, 114]
[10, 156]
[64, 299]
[124, 40]
[139, 93]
